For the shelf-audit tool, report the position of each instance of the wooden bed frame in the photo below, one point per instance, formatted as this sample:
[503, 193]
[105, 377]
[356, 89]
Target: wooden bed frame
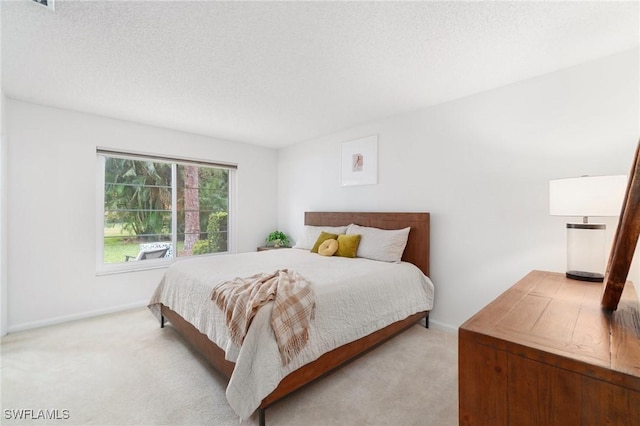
[416, 252]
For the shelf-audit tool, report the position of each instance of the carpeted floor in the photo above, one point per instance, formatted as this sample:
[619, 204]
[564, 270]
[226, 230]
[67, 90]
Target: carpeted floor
[122, 369]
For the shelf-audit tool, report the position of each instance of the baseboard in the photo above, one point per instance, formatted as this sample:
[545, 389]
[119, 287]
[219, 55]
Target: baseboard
[84, 315]
[442, 326]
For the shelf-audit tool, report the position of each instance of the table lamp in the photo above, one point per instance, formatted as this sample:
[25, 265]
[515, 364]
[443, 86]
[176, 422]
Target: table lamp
[586, 196]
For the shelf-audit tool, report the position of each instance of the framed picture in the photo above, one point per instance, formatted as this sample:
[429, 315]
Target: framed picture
[360, 161]
[46, 3]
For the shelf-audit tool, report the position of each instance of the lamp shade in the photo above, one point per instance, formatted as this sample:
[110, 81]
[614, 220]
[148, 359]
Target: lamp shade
[587, 196]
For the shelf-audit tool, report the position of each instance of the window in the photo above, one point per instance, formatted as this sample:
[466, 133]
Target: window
[154, 209]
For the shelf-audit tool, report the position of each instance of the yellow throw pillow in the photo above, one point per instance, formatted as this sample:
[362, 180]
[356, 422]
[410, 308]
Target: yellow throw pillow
[348, 245]
[328, 247]
[321, 239]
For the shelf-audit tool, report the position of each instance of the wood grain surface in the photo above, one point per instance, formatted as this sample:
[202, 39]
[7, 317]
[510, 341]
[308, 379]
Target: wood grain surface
[545, 352]
[625, 239]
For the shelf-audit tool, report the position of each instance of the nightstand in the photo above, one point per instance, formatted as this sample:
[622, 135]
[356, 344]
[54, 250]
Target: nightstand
[265, 248]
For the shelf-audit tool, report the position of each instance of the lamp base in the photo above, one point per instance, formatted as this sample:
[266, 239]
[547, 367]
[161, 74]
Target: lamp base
[593, 277]
[586, 251]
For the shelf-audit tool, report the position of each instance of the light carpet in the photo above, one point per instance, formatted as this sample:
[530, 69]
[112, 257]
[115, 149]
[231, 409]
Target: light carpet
[123, 369]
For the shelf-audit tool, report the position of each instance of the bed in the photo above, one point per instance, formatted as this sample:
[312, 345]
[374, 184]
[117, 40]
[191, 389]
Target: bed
[256, 378]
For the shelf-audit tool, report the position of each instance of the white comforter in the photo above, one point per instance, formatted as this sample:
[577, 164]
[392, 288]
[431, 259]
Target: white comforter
[354, 297]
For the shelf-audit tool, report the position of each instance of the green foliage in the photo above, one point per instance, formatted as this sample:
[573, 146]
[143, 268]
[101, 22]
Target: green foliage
[217, 231]
[278, 238]
[201, 247]
[138, 195]
[216, 240]
[213, 195]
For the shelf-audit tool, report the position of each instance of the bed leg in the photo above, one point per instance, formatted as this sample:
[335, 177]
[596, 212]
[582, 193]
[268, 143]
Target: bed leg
[161, 321]
[426, 321]
[261, 419]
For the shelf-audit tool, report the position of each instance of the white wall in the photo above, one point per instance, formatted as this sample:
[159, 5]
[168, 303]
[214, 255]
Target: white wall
[3, 215]
[481, 166]
[52, 208]
[3, 203]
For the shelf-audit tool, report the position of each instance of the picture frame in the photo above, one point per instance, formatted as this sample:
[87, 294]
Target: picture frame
[49, 4]
[359, 161]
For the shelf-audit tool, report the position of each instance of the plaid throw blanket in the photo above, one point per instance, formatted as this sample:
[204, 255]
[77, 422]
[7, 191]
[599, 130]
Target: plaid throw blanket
[293, 307]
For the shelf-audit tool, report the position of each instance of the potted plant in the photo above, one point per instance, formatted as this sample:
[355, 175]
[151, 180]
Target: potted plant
[278, 239]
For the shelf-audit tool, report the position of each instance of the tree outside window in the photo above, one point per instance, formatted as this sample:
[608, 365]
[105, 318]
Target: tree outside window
[150, 205]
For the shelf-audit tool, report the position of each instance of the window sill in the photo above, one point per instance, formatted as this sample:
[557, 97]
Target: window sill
[146, 265]
[125, 269]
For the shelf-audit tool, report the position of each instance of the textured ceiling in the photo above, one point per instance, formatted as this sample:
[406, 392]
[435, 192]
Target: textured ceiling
[277, 73]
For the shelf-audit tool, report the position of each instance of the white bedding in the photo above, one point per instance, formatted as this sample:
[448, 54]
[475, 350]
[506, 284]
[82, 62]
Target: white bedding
[354, 297]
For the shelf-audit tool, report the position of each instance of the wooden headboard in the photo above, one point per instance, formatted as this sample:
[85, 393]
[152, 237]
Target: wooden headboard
[417, 250]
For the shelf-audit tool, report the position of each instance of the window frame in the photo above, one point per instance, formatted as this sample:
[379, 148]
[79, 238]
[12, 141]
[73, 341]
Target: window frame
[123, 267]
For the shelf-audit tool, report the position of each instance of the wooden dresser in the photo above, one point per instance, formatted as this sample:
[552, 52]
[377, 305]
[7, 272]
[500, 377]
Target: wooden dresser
[545, 353]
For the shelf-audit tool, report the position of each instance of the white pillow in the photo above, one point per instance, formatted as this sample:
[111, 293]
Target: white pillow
[380, 244]
[310, 235]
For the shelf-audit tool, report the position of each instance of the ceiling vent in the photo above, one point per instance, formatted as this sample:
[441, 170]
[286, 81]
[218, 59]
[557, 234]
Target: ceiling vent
[49, 4]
